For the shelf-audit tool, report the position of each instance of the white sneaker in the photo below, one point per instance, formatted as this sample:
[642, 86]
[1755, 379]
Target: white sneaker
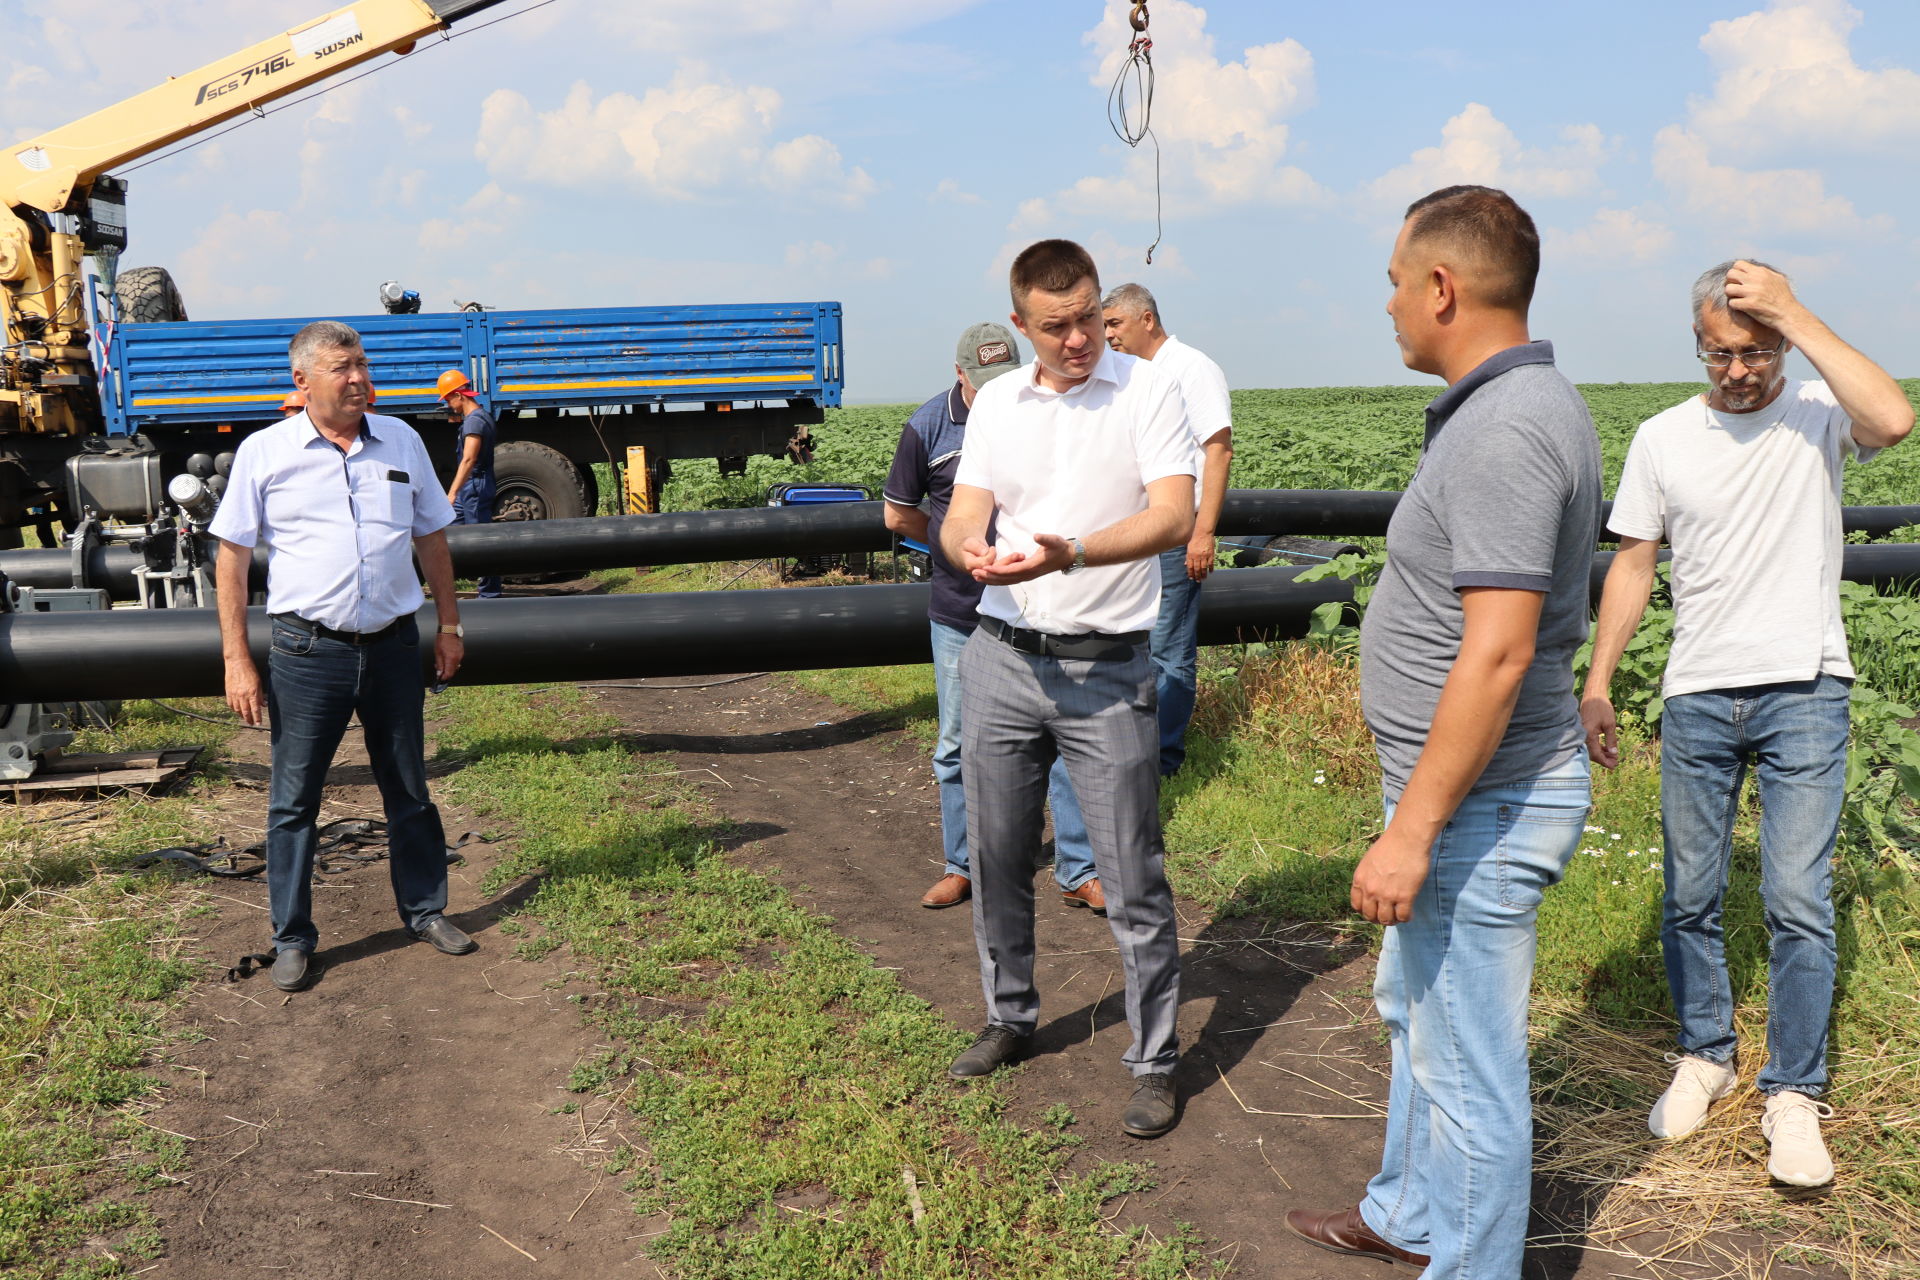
[1792, 1126]
[1697, 1085]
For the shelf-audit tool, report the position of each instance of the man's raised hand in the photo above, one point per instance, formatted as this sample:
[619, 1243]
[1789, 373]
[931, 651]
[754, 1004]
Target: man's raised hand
[1762, 293]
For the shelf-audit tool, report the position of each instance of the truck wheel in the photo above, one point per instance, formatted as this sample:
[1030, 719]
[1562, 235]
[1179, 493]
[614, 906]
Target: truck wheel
[537, 482]
[147, 295]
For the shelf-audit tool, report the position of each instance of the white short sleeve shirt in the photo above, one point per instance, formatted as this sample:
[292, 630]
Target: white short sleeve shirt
[1751, 505]
[339, 526]
[1203, 388]
[1071, 463]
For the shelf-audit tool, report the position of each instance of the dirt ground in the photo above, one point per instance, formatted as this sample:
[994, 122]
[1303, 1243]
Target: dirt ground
[393, 1117]
[401, 1115]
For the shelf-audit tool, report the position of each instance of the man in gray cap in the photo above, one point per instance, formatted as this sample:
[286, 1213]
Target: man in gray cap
[917, 491]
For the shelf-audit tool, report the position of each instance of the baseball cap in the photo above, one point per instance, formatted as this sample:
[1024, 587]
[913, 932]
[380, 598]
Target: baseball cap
[986, 351]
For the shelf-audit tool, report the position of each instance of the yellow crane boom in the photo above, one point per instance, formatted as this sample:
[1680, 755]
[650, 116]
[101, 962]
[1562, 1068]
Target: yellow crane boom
[45, 372]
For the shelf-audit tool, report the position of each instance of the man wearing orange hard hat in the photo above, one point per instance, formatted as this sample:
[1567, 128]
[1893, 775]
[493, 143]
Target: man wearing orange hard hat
[296, 402]
[471, 491]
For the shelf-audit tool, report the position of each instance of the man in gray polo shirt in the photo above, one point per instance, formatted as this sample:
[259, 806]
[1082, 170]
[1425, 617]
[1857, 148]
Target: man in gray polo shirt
[1467, 683]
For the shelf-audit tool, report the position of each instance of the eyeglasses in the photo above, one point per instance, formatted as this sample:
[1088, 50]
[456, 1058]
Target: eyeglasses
[1751, 359]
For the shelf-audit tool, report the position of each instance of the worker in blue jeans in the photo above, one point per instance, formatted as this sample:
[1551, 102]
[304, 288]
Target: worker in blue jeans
[923, 469]
[471, 490]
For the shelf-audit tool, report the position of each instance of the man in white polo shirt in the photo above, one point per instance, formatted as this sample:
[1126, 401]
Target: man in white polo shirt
[1744, 481]
[1083, 465]
[1133, 326]
[344, 500]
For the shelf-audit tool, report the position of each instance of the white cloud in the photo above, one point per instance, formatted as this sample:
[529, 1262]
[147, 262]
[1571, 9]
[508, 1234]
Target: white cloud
[1477, 147]
[1614, 236]
[1732, 201]
[820, 259]
[692, 137]
[239, 264]
[950, 192]
[1786, 74]
[487, 213]
[1221, 126]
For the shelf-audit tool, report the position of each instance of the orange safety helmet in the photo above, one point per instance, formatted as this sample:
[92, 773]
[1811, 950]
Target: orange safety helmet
[294, 403]
[451, 381]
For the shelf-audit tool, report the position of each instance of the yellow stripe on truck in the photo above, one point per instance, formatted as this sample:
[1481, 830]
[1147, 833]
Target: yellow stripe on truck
[641, 382]
[143, 402]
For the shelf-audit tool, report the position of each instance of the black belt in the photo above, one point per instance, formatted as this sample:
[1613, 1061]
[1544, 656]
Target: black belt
[344, 637]
[1096, 646]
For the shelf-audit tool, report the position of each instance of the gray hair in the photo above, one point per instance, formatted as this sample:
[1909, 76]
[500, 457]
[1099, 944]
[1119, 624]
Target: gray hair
[1710, 290]
[321, 335]
[1134, 298]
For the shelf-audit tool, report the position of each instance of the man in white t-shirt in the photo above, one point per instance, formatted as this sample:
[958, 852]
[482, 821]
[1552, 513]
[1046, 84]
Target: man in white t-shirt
[1744, 482]
[1082, 464]
[1133, 326]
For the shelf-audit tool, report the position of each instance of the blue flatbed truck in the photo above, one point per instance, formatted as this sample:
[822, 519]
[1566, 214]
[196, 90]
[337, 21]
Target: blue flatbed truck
[569, 388]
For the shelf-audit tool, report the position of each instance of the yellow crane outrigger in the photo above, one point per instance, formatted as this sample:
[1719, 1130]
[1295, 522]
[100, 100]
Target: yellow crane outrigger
[58, 204]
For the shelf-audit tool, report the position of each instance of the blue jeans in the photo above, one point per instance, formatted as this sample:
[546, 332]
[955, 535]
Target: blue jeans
[314, 686]
[1175, 651]
[473, 504]
[1795, 738]
[1072, 848]
[1452, 989]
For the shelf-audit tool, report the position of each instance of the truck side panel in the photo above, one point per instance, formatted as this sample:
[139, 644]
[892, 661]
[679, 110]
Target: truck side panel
[197, 373]
[664, 355]
[194, 374]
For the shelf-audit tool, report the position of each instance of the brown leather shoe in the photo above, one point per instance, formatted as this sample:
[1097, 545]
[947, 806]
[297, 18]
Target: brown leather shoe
[1089, 894]
[1345, 1231]
[950, 890]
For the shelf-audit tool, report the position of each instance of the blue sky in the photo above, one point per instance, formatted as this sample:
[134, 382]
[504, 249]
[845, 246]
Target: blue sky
[893, 156]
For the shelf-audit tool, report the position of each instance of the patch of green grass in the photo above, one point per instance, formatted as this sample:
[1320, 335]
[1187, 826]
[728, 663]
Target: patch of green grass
[904, 696]
[91, 964]
[794, 1097]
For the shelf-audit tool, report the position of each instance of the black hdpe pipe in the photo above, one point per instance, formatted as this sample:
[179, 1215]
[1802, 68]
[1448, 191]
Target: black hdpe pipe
[175, 653]
[749, 533]
[615, 542]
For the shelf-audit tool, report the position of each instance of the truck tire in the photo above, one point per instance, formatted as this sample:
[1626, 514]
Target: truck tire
[147, 295]
[537, 482]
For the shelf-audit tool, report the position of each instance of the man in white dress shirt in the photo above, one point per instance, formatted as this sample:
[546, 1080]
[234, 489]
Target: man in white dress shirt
[1133, 326]
[344, 500]
[1082, 463]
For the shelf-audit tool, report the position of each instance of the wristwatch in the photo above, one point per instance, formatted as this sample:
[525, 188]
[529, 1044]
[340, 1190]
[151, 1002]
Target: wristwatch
[1079, 555]
[455, 630]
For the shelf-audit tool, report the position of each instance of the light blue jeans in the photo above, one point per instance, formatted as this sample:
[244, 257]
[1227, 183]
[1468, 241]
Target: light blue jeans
[1175, 651]
[1072, 848]
[1452, 989]
[1794, 736]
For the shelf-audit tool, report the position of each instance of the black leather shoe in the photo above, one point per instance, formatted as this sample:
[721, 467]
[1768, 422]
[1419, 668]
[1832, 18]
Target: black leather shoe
[1153, 1108]
[292, 969]
[441, 932]
[1345, 1231]
[995, 1046]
